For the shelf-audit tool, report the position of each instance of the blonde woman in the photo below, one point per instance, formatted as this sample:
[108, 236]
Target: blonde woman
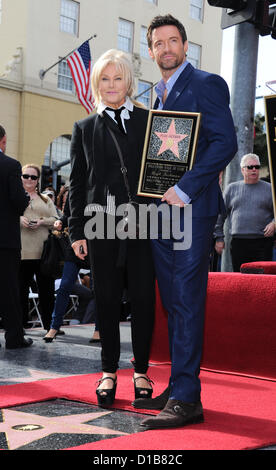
[96, 178]
[36, 221]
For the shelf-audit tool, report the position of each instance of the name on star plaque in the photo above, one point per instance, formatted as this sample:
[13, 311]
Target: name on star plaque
[169, 150]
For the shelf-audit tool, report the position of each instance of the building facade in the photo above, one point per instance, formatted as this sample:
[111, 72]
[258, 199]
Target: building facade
[39, 113]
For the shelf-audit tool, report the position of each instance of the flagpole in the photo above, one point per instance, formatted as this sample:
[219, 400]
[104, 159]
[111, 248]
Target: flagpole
[42, 72]
[144, 91]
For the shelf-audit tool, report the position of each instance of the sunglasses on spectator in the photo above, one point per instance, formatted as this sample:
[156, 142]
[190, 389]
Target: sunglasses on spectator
[33, 177]
[250, 167]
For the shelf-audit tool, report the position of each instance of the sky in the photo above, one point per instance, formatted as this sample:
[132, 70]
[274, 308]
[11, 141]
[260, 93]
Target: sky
[266, 70]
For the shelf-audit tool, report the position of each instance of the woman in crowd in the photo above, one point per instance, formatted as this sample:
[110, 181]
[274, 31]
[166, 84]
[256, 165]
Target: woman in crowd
[96, 178]
[36, 221]
[72, 265]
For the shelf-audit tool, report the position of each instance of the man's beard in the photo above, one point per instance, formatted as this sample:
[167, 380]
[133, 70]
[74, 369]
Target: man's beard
[177, 62]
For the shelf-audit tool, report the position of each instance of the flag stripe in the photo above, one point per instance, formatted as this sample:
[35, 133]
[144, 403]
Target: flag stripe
[80, 66]
[78, 86]
[77, 76]
[90, 97]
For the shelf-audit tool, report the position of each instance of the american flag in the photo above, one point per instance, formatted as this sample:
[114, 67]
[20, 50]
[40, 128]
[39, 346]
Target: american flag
[81, 66]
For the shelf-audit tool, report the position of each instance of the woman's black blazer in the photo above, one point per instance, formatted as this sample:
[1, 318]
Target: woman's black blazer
[88, 164]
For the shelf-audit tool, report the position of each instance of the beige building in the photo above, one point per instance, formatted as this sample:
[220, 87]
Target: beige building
[38, 114]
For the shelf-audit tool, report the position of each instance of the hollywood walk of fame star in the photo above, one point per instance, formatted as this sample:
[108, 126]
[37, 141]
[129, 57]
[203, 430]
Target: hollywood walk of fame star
[170, 140]
[33, 376]
[23, 428]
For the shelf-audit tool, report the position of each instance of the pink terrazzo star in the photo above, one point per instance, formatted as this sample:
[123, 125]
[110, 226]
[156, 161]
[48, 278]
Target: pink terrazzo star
[34, 374]
[170, 140]
[23, 428]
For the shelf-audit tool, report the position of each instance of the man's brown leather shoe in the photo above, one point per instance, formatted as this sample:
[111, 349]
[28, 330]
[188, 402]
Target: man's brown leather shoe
[157, 403]
[175, 414]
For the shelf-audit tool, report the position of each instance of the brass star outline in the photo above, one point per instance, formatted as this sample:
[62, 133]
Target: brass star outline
[73, 424]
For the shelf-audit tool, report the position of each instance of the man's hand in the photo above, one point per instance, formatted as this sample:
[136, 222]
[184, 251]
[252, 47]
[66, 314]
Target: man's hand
[219, 247]
[80, 249]
[172, 198]
[269, 230]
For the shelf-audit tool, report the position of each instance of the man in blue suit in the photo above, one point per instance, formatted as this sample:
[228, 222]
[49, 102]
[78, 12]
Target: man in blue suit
[182, 274]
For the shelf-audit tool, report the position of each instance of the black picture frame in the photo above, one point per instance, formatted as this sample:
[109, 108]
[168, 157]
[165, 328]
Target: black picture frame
[169, 150]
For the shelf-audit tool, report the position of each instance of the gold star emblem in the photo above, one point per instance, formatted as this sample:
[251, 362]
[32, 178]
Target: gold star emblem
[170, 140]
[27, 427]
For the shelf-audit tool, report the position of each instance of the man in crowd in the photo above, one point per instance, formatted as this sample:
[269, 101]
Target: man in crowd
[182, 275]
[13, 202]
[249, 207]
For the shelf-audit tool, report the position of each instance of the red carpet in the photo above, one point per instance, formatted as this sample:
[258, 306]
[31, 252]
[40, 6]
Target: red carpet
[238, 374]
[260, 267]
[240, 333]
[240, 411]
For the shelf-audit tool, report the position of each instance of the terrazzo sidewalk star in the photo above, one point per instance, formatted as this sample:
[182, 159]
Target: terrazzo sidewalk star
[22, 428]
[32, 377]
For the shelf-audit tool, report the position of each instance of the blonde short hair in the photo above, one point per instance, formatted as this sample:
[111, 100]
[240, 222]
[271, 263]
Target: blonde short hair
[123, 65]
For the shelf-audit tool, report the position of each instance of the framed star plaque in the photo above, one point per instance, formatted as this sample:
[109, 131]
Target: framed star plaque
[169, 150]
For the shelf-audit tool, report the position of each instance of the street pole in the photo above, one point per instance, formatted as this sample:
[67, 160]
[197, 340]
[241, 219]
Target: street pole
[242, 106]
[56, 167]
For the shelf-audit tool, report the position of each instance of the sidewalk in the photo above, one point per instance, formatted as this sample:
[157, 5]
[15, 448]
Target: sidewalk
[61, 424]
[68, 355]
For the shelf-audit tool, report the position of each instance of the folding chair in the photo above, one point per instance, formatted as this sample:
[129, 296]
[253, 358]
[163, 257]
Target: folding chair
[74, 305]
[74, 302]
[34, 299]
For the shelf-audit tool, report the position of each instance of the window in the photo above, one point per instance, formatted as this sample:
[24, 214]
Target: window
[153, 1]
[125, 35]
[144, 43]
[58, 152]
[194, 55]
[65, 80]
[196, 9]
[69, 17]
[146, 97]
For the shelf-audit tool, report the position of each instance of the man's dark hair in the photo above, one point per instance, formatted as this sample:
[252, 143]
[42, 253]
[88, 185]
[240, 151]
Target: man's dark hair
[166, 20]
[2, 132]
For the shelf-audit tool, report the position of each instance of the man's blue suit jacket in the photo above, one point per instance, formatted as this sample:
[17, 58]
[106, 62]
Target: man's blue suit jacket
[208, 94]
